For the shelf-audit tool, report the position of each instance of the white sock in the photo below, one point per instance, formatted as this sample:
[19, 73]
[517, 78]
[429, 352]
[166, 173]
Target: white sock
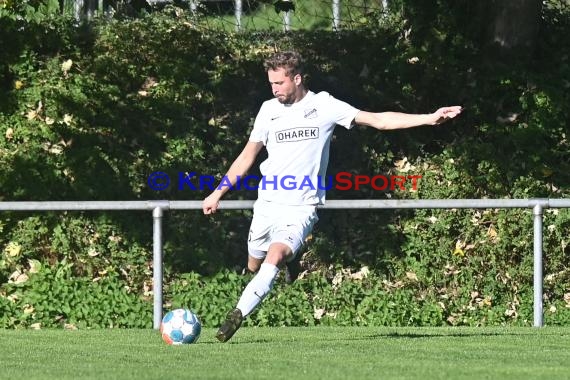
[258, 288]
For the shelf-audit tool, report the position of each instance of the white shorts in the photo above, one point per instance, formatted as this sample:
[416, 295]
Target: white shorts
[275, 223]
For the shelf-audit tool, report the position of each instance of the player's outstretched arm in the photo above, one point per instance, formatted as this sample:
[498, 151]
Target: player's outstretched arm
[399, 120]
[239, 168]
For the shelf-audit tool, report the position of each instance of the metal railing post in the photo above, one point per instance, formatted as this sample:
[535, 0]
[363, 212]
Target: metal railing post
[538, 312]
[157, 214]
[336, 15]
[238, 13]
[287, 21]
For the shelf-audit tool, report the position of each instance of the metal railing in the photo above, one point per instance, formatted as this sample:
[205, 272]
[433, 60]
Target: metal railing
[87, 9]
[160, 206]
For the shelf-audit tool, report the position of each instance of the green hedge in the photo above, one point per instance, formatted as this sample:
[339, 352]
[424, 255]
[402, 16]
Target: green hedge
[87, 113]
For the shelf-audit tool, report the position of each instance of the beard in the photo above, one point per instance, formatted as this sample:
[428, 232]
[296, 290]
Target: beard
[286, 99]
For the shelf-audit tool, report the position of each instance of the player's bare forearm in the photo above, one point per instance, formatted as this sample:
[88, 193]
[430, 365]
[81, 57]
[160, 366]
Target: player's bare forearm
[399, 120]
[238, 169]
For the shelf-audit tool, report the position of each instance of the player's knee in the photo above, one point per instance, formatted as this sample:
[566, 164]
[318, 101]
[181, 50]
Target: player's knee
[278, 254]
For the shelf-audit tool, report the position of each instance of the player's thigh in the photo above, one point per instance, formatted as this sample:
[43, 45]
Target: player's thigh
[259, 235]
[292, 232]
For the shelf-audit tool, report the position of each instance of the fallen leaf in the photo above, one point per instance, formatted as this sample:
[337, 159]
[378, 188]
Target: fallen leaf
[361, 274]
[403, 165]
[510, 118]
[67, 119]
[13, 249]
[458, 251]
[31, 115]
[318, 313]
[492, 233]
[552, 309]
[412, 276]
[66, 66]
[35, 265]
[28, 309]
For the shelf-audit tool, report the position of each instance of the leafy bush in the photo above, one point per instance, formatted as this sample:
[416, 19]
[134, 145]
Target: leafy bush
[88, 113]
[341, 297]
[52, 297]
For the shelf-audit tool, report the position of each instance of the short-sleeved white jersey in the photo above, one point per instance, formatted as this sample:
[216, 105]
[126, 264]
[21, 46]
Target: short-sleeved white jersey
[297, 138]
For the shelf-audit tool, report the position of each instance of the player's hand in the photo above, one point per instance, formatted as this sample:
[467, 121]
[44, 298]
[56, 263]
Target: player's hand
[445, 113]
[210, 204]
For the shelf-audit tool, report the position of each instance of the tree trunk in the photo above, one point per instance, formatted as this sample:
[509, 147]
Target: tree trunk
[516, 24]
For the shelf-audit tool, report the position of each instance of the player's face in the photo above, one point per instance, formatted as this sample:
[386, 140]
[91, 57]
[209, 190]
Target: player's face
[284, 87]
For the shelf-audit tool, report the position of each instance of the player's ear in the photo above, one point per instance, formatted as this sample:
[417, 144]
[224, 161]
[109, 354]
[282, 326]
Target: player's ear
[298, 79]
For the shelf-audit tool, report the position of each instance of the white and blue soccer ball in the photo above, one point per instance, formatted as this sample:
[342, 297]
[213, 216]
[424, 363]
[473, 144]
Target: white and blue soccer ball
[180, 326]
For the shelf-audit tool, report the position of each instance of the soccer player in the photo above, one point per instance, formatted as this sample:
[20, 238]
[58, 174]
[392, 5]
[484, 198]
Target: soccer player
[296, 128]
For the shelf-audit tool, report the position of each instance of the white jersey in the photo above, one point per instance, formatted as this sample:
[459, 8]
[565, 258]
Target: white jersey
[297, 138]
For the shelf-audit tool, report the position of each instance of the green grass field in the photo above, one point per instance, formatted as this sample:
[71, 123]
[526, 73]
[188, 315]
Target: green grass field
[290, 353]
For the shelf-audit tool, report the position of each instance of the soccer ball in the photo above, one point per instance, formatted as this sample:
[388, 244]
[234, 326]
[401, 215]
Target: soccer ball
[180, 326]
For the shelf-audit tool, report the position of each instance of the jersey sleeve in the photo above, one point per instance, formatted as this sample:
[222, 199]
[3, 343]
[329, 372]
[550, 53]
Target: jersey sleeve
[342, 112]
